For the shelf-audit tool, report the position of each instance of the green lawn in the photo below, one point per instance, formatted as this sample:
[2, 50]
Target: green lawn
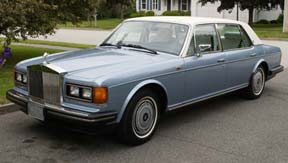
[6, 73]
[270, 31]
[52, 43]
[101, 24]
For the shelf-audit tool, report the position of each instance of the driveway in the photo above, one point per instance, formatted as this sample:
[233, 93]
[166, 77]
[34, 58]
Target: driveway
[81, 36]
[225, 129]
[284, 47]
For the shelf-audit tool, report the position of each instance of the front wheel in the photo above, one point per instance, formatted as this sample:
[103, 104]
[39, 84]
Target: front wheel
[140, 118]
[256, 85]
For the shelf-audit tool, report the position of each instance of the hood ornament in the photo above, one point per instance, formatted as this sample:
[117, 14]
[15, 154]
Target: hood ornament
[45, 58]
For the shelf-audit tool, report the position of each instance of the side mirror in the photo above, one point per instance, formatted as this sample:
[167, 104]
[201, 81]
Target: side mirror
[204, 47]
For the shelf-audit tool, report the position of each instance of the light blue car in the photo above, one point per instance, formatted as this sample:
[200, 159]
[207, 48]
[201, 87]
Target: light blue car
[146, 67]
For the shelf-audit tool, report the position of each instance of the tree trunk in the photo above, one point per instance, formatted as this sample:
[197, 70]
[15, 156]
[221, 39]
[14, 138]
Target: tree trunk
[122, 11]
[285, 24]
[88, 20]
[251, 16]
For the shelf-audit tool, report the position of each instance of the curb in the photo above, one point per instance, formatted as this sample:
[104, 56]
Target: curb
[86, 29]
[47, 46]
[8, 108]
[274, 39]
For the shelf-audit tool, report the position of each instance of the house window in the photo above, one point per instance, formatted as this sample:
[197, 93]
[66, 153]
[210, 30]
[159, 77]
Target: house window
[144, 4]
[184, 5]
[155, 4]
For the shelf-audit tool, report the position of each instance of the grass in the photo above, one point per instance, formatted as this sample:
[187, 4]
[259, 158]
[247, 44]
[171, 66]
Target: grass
[101, 24]
[270, 31]
[52, 43]
[19, 53]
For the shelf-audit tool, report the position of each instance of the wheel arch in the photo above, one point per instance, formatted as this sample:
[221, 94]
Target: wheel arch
[144, 85]
[264, 64]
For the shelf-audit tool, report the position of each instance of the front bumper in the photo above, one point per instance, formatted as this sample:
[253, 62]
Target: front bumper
[63, 113]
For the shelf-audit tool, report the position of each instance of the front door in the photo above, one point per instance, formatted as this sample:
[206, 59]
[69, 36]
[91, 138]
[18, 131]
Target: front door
[205, 65]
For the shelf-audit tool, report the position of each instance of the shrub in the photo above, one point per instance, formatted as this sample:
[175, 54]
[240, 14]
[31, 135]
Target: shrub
[134, 15]
[280, 19]
[141, 14]
[149, 13]
[274, 22]
[185, 13]
[263, 21]
[171, 13]
[176, 13]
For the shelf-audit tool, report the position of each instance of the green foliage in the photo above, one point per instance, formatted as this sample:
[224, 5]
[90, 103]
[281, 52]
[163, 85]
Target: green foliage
[171, 13]
[23, 18]
[150, 13]
[246, 4]
[141, 14]
[280, 19]
[185, 13]
[263, 21]
[270, 31]
[273, 22]
[176, 13]
[115, 8]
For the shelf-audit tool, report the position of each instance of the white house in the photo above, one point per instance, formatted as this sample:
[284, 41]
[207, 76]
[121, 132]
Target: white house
[209, 10]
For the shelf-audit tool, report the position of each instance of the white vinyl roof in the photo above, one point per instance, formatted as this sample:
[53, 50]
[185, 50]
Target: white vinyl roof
[192, 21]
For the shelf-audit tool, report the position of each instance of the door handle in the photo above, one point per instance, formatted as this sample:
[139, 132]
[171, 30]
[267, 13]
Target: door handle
[253, 55]
[221, 60]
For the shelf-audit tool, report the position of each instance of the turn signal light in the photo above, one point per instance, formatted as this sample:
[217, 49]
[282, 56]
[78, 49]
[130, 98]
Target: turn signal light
[100, 95]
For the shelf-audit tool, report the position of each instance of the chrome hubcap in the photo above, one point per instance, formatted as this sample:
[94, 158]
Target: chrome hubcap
[145, 117]
[258, 82]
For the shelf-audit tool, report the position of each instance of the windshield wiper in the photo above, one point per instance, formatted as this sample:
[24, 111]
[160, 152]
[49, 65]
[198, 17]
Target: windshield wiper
[109, 44]
[138, 47]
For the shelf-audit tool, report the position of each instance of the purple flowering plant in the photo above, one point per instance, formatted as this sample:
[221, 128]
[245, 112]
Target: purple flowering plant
[5, 54]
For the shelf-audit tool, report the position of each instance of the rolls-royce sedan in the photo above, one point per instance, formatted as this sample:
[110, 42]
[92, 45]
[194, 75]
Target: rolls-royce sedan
[146, 67]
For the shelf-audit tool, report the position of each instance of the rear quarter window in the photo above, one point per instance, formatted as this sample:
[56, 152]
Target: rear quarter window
[233, 37]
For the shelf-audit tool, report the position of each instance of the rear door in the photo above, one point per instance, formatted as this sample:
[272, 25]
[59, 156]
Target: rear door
[240, 54]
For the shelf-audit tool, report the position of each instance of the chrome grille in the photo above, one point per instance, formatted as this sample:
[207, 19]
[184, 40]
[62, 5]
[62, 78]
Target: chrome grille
[35, 83]
[44, 85]
[51, 88]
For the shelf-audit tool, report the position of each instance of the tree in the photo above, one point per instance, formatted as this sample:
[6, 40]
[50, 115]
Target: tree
[23, 18]
[250, 5]
[124, 5]
[285, 25]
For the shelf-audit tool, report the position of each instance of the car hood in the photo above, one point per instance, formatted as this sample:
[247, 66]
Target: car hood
[93, 63]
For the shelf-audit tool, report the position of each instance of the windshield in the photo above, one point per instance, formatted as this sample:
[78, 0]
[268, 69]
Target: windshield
[162, 37]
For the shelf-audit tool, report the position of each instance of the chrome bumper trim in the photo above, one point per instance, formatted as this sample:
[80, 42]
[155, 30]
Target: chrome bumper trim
[62, 112]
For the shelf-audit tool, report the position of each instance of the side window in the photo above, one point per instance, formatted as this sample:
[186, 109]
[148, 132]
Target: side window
[246, 39]
[191, 49]
[206, 38]
[232, 37]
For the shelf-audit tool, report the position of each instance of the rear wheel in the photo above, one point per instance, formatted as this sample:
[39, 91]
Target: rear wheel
[256, 85]
[140, 119]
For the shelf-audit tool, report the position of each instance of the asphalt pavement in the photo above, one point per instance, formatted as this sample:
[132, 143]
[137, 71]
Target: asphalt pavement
[224, 129]
[81, 36]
